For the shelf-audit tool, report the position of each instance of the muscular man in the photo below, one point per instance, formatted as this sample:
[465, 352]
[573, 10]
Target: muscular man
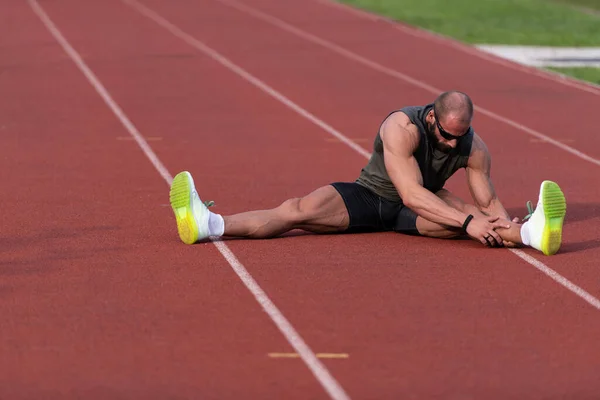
[416, 150]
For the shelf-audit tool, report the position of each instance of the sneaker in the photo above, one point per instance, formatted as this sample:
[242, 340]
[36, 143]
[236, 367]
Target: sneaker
[546, 222]
[191, 213]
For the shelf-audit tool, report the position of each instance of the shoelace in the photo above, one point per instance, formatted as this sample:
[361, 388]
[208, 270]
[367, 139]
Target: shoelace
[530, 210]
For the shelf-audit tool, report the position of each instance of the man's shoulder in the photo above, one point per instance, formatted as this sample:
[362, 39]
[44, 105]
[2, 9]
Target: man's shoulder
[478, 152]
[416, 111]
[400, 119]
[399, 130]
[477, 143]
[411, 111]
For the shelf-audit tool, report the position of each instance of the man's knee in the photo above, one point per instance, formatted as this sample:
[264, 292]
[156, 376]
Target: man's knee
[444, 194]
[292, 210]
[451, 199]
[433, 229]
[319, 205]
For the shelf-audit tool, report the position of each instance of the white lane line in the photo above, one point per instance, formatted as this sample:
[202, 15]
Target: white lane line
[396, 74]
[448, 41]
[137, 136]
[558, 278]
[242, 73]
[322, 124]
[316, 367]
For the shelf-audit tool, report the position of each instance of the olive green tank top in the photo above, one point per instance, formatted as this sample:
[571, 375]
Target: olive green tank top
[436, 166]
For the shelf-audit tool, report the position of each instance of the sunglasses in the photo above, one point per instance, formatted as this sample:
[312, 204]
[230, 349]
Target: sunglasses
[447, 135]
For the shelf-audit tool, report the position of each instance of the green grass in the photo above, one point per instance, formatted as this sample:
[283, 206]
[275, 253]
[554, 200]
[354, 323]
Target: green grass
[590, 4]
[511, 22]
[585, 74]
[526, 22]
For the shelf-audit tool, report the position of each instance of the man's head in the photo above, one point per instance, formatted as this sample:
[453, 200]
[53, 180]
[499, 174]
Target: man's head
[449, 120]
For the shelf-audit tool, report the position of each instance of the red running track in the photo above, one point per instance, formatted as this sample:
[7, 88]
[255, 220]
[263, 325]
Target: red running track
[101, 300]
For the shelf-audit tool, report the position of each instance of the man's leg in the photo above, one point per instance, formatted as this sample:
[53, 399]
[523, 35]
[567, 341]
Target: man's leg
[510, 236]
[543, 231]
[433, 229]
[321, 211]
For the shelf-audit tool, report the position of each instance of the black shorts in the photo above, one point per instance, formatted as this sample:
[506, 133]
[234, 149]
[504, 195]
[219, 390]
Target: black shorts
[370, 212]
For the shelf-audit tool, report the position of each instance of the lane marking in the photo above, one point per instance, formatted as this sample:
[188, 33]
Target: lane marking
[396, 74]
[593, 301]
[333, 355]
[355, 140]
[192, 41]
[543, 141]
[328, 382]
[147, 138]
[319, 355]
[465, 48]
[100, 89]
[176, 31]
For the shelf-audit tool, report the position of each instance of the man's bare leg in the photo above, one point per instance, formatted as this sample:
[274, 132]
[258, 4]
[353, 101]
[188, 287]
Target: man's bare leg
[543, 231]
[325, 211]
[425, 227]
[511, 236]
[433, 229]
[321, 211]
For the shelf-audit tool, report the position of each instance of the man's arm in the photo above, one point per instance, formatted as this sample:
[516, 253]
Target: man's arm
[400, 139]
[480, 182]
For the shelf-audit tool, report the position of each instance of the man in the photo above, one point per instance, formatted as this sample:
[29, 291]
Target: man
[400, 189]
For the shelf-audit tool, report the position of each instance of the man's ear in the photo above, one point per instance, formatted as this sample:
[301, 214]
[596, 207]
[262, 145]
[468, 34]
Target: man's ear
[429, 115]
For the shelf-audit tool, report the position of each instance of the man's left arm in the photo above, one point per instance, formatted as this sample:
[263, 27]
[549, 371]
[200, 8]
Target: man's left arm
[480, 181]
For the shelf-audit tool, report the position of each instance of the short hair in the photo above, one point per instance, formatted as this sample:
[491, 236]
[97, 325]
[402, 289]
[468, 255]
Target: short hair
[453, 102]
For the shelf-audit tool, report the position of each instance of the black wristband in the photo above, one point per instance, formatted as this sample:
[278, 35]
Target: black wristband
[466, 223]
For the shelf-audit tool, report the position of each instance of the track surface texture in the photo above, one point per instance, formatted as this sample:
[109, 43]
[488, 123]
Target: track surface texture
[99, 298]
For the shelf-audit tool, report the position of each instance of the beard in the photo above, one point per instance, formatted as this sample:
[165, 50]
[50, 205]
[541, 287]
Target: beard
[433, 139]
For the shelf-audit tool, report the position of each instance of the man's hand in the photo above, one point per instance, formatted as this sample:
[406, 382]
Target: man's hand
[508, 243]
[483, 230]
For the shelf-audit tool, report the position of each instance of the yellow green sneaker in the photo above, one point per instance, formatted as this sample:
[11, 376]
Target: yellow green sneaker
[190, 212]
[546, 222]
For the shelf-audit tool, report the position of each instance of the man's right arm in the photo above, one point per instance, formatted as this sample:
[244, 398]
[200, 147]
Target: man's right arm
[400, 139]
